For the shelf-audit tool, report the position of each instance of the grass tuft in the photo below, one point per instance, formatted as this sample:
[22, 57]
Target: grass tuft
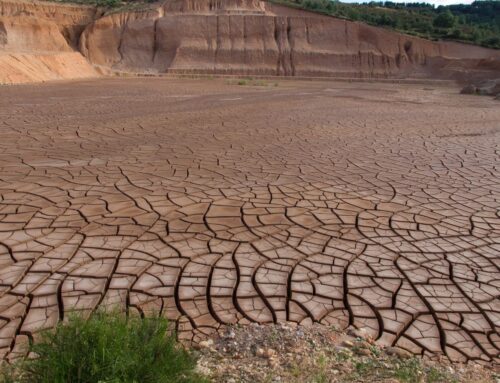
[109, 348]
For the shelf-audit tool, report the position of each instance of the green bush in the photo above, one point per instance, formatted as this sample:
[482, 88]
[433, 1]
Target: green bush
[107, 3]
[109, 348]
[444, 20]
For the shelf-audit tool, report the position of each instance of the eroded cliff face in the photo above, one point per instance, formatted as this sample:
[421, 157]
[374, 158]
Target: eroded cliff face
[251, 37]
[232, 37]
[39, 41]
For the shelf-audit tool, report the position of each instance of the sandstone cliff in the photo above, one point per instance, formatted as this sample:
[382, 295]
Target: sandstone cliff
[232, 37]
[39, 41]
[250, 38]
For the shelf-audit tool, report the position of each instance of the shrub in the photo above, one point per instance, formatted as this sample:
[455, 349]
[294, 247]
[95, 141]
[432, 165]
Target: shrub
[108, 347]
[478, 22]
[444, 20]
[107, 3]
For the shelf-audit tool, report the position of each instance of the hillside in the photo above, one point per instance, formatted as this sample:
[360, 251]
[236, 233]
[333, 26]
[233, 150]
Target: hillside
[44, 41]
[476, 23]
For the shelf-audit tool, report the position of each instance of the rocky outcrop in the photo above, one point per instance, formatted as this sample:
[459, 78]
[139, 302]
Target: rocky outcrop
[233, 37]
[485, 88]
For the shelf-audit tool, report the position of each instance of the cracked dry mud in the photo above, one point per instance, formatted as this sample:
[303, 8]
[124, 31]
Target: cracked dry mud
[372, 205]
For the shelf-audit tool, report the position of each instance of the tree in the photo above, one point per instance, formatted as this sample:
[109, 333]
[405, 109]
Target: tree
[444, 20]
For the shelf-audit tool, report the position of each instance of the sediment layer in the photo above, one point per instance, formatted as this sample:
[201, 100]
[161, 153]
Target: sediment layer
[275, 43]
[234, 37]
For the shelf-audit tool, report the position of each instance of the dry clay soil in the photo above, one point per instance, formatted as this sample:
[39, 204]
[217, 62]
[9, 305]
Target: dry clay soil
[371, 205]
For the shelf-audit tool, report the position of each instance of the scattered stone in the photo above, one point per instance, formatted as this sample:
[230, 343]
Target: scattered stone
[347, 343]
[274, 363]
[206, 343]
[362, 351]
[342, 349]
[399, 352]
[361, 344]
[261, 353]
[230, 334]
[276, 353]
[270, 352]
[486, 88]
[362, 332]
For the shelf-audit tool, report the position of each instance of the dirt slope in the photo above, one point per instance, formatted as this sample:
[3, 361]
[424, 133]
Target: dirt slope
[255, 38]
[221, 36]
[38, 41]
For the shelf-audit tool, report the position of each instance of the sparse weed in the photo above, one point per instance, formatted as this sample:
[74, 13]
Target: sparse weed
[108, 347]
[409, 371]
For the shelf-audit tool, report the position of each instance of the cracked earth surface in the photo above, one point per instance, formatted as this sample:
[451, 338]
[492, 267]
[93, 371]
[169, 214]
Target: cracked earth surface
[372, 205]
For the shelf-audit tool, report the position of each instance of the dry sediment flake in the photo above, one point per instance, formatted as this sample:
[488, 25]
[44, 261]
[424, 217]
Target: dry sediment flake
[369, 205]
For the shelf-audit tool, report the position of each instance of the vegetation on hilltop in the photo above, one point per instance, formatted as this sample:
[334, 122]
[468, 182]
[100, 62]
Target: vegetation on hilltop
[477, 23]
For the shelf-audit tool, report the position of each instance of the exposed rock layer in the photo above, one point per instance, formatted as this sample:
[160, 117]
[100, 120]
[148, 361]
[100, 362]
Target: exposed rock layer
[239, 37]
[234, 37]
[39, 40]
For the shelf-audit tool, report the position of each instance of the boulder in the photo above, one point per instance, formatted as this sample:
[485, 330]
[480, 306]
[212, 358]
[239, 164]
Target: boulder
[469, 89]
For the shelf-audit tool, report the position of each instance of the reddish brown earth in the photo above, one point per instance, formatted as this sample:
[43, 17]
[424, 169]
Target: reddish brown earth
[45, 41]
[369, 205]
[254, 37]
[39, 40]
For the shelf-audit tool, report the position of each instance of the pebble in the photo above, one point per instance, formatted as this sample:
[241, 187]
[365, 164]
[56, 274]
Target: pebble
[230, 335]
[362, 352]
[361, 344]
[399, 352]
[362, 332]
[347, 343]
[206, 343]
[261, 353]
[270, 352]
[281, 346]
[273, 363]
[341, 349]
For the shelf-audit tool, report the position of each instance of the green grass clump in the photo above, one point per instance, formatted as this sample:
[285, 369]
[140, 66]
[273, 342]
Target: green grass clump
[109, 348]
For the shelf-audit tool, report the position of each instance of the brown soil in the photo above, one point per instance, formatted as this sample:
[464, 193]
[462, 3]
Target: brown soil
[230, 202]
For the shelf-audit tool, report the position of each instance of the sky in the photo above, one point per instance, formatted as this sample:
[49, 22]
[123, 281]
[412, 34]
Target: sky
[436, 2]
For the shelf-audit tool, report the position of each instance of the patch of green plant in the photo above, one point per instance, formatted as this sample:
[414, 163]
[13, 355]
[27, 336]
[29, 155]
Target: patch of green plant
[107, 347]
[409, 371]
[477, 23]
[368, 367]
[342, 356]
[434, 375]
[375, 350]
[321, 375]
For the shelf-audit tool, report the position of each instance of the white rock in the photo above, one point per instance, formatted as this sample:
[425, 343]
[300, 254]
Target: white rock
[206, 343]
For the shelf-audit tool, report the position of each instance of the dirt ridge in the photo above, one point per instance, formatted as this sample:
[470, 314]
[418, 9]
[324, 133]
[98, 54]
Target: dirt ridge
[238, 37]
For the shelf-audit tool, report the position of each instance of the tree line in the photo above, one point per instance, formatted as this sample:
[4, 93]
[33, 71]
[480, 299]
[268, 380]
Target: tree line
[477, 23]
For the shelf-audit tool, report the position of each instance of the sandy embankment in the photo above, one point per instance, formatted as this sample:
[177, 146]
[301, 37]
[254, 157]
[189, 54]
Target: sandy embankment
[44, 41]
